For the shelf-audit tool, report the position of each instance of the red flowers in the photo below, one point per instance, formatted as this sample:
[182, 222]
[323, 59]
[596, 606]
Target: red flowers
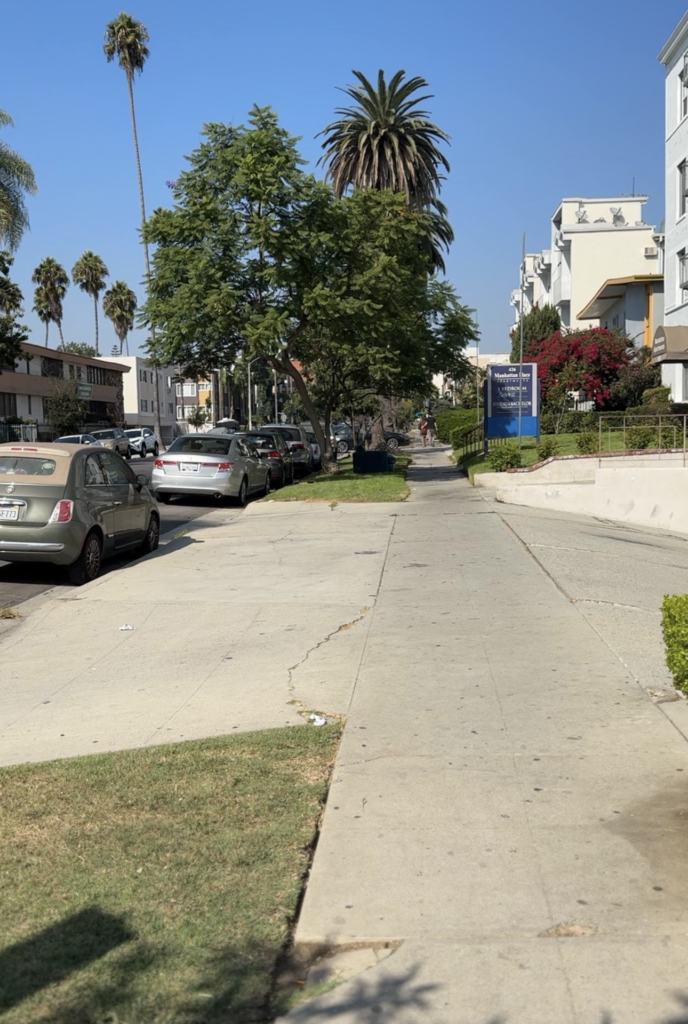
[587, 360]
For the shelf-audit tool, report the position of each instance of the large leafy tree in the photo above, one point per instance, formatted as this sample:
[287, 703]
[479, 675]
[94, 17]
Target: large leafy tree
[89, 272]
[53, 282]
[259, 258]
[125, 41]
[384, 141]
[540, 323]
[17, 180]
[119, 306]
[12, 333]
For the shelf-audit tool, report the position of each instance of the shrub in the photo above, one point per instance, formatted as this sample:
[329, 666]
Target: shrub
[675, 631]
[639, 438]
[574, 422]
[453, 419]
[588, 443]
[457, 435]
[506, 456]
[656, 396]
[548, 447]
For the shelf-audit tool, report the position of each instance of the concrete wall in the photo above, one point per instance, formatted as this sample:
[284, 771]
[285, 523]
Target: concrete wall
[577, 469]
[656, 496]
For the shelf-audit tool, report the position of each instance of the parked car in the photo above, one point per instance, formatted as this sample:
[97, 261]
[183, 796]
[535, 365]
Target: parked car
[72, 505]
[297, 441]
[343, 438]
[272, 447]
[78, 439]
[115, 439]
[315, 449]
[142, 441]
[210, 465]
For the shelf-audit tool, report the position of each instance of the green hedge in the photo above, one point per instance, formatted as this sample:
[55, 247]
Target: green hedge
[454, 419]
[505, 456]
[675, 630]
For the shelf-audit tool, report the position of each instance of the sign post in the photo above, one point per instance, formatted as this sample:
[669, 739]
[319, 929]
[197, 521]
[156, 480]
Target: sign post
[511, 408]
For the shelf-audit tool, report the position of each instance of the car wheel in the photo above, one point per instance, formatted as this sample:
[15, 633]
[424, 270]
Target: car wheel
[342, 447]
[268, 485]
[156, 449]
[392, 444]
[143, 453]
[150, 542]
[127, 454]
[242, 497]
[164, 498]
[87, 566]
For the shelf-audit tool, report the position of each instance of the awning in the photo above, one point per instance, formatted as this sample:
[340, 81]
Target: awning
[611, 291]
[670, 345]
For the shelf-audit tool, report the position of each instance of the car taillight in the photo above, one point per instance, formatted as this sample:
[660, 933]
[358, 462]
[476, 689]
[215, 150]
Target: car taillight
[224, 467]
[274, 455]
[158, 463]
[298, 446]
[62, 513]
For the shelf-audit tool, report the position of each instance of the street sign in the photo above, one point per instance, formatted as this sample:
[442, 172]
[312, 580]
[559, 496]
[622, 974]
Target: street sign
[84, 390]
[504, 385]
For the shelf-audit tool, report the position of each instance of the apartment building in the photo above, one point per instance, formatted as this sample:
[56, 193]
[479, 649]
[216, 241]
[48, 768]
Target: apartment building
[670, 347]
[24, 390]
[139, 395]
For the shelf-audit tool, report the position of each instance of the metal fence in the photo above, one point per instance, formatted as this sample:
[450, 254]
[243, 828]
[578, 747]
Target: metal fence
[18, 432]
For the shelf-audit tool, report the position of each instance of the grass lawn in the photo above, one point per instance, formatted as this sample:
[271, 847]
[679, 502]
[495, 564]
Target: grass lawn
[156, 886]
[611, 442]
[347, 486]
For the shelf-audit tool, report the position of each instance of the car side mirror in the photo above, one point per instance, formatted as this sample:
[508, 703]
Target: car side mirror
[141, 480]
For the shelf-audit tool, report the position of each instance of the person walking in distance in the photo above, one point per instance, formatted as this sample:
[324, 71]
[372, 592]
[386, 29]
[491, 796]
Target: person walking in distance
[423, 428]
[431, 424]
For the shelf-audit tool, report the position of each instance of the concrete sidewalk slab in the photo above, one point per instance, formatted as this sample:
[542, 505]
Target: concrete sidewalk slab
[508, 801]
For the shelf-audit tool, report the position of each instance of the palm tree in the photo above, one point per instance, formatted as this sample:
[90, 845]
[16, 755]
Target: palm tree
[119, 305]
[53, 282]
[16, 180]
[89, 272]
[125, 39]
[386, 141]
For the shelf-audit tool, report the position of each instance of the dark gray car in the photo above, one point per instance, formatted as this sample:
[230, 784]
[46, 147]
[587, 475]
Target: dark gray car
[72, 505]
[298, 443]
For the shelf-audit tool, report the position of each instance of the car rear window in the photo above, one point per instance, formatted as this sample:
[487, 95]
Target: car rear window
[69, 440]
[26, 466]
[262, 441]
[205, 445]
[291, 433]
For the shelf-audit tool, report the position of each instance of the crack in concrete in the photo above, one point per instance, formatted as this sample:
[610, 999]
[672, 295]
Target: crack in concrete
[302, 708]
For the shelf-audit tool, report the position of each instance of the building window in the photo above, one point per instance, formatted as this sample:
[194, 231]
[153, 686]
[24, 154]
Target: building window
[682, 274]
[178, 389]
[99, 375]
[8, 405]
[682, 188]
[204, 385]
[180, 412]
[143, 377]
[144, 405]
[615, 321]
[170, 408]
[51, 367]
[169, 383]
[189, 390]
[683, 89]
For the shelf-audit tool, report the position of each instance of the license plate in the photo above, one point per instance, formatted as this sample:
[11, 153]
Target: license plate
[9, 513]
[189, 467]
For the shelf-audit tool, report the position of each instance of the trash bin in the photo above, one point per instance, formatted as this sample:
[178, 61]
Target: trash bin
[372, 462]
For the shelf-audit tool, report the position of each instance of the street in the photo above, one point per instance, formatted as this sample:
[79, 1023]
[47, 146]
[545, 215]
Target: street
[18, 582]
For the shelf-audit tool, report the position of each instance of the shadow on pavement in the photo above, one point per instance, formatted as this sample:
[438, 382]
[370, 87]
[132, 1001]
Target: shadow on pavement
[57, 952]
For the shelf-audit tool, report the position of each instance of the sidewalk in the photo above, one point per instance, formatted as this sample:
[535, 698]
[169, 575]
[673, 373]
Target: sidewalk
[508, 802]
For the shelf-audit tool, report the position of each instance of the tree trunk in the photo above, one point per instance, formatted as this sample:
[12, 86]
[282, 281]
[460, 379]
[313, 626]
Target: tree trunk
[47, 328]
[377, 441]
[153, 354]
[329, 458]
[95, 310]
[59, 327]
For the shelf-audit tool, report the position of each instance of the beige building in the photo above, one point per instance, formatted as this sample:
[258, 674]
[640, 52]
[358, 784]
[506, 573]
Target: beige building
[139, 395]
[24, 390]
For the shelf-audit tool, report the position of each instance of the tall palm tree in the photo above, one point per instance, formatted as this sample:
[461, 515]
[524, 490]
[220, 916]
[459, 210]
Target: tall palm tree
[89, 272]
[125, 39]
[385, 141]
[16, 181]
[53, 282]
[119, 305]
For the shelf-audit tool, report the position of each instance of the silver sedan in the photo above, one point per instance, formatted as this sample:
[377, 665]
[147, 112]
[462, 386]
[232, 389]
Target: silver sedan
[211, 466]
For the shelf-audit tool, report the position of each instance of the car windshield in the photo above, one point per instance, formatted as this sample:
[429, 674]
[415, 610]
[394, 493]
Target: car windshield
[23, 466]
[291, 433]
[206, 444]
[131, 433]
[104, 433]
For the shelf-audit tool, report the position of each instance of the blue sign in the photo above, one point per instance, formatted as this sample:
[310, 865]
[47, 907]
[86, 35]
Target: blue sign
[508, 386]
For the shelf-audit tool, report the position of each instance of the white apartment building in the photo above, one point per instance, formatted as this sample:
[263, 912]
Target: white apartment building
[671, 339]
[139, 395]
[592, 241]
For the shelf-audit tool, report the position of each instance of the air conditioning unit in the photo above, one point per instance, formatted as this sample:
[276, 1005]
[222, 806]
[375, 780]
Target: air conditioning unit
[650, 251]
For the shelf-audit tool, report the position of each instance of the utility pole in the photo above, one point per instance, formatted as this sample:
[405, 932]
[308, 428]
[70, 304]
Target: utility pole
[520, 358]
[250, 417]
[274, 388]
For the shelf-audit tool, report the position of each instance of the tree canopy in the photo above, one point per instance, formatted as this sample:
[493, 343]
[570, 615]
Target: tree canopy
[17, 180]
[538, 324]
[12, 333]
[259, 258]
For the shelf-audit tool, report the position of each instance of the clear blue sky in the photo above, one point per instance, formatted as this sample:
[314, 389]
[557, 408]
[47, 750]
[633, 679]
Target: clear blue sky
[542, 100]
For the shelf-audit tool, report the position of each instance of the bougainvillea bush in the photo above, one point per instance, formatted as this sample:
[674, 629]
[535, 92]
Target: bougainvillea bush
[588, 360]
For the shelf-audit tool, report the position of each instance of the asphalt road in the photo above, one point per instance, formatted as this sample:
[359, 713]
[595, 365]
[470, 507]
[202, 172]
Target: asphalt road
[20, 582]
